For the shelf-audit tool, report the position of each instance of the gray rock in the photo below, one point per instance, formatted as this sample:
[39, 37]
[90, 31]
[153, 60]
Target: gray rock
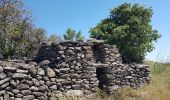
[57, 71]
[36, 83]
[26, 92]
[38, 94]
[10, 69]
[28, 97]
[42, 88]
[23, 87]
[19, 95]
[48, 83]
[15, 91]
[53, 87]
[19, 76]
[64, 76]
[22, 71]
[50, 72]
[75, 76]
[41, 82]
[74, 93]
[45, 63]
[128, 77]
[18, 99]
[32, 71]
[34, 89]
[13, 83]
[2, 76]
[4, 80]
[1, 69]
[4, 85]
[10, 93]
[24, 66]
[76, 86]
[64, 70]
[2, 92]
[40, 71]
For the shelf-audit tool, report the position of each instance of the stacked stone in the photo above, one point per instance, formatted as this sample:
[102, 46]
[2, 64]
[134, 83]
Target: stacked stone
[111, 78]
[69, 66]
[75, 60]
[38, 81]
[106, 54]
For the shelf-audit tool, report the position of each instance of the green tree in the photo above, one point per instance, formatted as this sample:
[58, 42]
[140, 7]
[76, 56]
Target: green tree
[54, 38]
[73, 35]
[128, 27]
[16, 29]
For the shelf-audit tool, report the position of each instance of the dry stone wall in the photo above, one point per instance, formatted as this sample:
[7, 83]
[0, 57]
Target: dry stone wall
[66, 66]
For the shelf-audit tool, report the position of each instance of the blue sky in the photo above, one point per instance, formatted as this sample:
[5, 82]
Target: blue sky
[55, 16]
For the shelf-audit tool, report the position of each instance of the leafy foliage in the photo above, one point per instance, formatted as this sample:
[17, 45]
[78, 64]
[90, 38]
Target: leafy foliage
[128, 27]
[54, 38]
[73, 35]
[17, 34]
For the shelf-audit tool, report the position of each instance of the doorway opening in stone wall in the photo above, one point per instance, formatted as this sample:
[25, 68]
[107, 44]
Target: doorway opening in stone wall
[99, 53]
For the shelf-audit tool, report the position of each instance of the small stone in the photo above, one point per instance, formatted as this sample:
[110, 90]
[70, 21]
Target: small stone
[64, 76]
[4, 80]
[13, 83]
[15, 91]
[23, 87]
[75, 76]
[48, 83]
[19, 76]
[2, 92]
[38, 94]
[128, 77]
[76, 86]
[19, 95]
[64, 70]
[53, 87]
[33, 71]
[4, 85]
[50, 72]
[28, 97]
[74, 93]
[41, 82]
[1, 69]
[18, 98]
[42, 88]
[22, 71]
[45, 63]
[40, 71]
[34, 89]
[2, 76]
[26, 92]
[10, 69]
[57, 71]
[25, 66]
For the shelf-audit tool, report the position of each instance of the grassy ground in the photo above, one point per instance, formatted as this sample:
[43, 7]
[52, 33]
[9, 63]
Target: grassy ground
[158, 89]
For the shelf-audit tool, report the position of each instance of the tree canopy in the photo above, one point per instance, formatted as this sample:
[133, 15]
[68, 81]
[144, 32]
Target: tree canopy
[17, 32]
[129, 27]
[73, 35]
